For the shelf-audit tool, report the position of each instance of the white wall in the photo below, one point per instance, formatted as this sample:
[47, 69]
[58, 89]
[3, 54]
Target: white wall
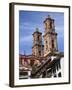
[4, 43]
[62, 66]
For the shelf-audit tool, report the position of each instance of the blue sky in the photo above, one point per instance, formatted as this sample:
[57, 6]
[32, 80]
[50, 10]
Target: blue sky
[30, 20]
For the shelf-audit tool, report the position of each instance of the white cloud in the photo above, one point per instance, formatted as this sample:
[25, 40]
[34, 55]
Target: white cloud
[26, 39]
[27, 25]
[59, 29]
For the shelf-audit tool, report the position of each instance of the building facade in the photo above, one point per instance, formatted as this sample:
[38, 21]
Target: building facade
[46, 61]
[50, 36]
[37, 48]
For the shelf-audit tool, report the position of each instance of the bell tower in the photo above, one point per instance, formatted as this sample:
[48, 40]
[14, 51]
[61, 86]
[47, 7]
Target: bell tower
[37, 48]
[50, 36]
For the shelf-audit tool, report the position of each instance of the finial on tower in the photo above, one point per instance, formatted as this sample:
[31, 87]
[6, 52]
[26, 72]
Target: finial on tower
[49, 16]
[37, 29]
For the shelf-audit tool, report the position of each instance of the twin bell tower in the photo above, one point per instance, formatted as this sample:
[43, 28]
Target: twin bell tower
[50, 39]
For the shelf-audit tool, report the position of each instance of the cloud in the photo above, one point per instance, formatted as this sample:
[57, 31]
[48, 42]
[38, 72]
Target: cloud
[26, 39]
[60, 31]
[59, 28]
[26, 25]
[30, 25]
[25, 44]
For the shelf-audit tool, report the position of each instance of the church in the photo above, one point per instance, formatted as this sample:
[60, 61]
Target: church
[46, 61]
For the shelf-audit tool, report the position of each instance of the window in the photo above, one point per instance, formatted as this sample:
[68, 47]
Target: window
[55, 75]
[58, 65]
[54, 70]
[46, 45]
[44, 74]
[40, 53]
[46, 42]
[38, 37]
[23, 75]
[59, 74]
[52, 43]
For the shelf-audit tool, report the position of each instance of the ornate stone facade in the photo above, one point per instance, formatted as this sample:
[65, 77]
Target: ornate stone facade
[50, 36]
[50, 39]
[46, 60]
[37, 48]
